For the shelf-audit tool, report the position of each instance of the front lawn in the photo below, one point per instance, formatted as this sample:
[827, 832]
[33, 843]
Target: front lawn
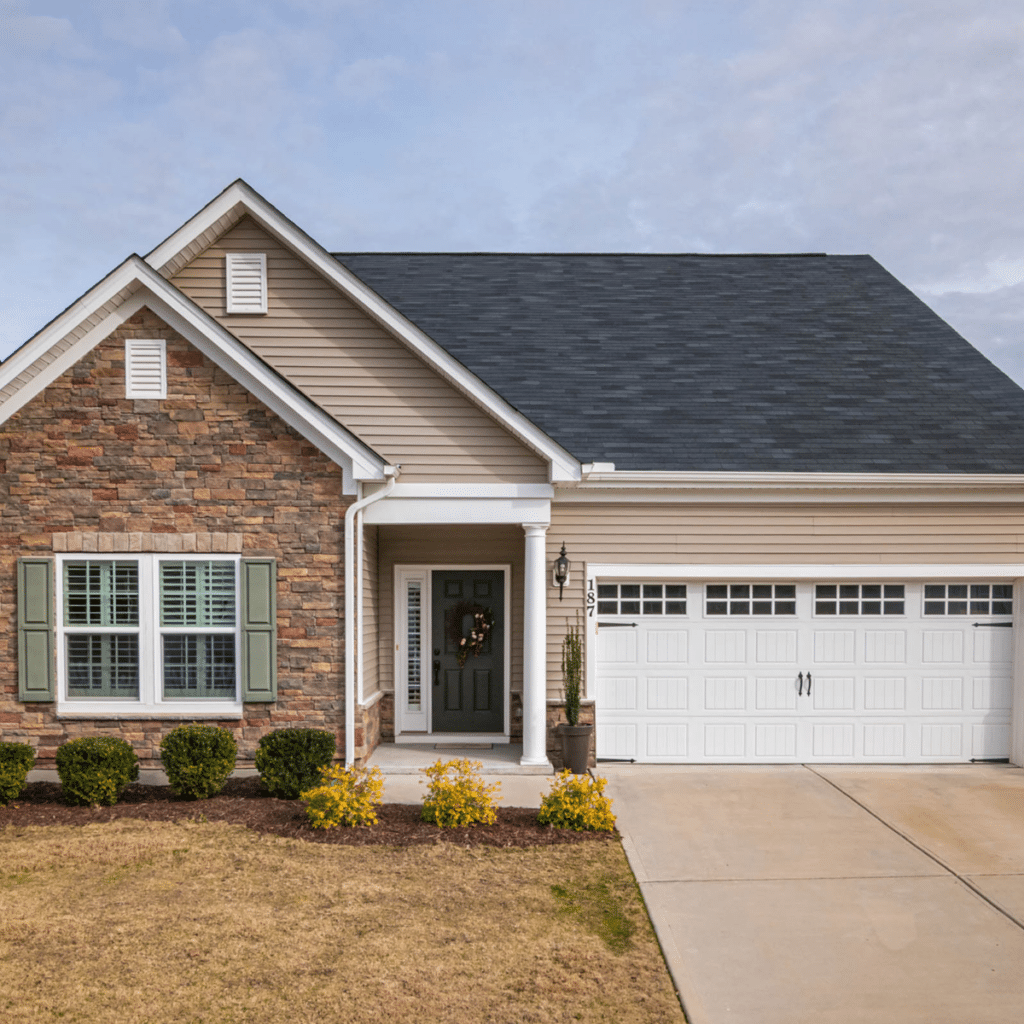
[141, 922]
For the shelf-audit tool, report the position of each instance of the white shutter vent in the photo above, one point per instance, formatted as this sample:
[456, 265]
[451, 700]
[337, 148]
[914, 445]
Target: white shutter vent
[145, 368]
[246, 282]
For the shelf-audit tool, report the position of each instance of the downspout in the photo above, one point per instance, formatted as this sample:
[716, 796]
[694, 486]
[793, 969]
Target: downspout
[350, 607]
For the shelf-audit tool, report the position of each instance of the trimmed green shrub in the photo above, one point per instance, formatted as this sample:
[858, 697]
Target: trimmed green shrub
[291, 760]
[345, 796]
[198, 760]
[96, 769]
[577, 802]
[16, 760]
[457, 795]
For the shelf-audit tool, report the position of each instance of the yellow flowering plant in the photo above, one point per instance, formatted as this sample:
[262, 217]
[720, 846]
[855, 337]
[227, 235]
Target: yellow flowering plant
[577, 802]
[457, 795]
[346, 796]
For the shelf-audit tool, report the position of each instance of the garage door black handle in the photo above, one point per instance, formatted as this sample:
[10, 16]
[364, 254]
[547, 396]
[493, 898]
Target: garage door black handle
[618, 625]
[800, 678]
[808, 684]
[1005, 625]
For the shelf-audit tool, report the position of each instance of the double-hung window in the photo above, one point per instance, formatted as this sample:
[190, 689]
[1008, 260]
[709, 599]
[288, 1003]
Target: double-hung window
[150, 633]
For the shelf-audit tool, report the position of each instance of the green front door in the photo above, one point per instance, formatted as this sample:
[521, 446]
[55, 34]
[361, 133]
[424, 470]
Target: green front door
[470, 697]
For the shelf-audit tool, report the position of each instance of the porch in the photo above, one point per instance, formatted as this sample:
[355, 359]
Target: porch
[424, 588]
[411, 758]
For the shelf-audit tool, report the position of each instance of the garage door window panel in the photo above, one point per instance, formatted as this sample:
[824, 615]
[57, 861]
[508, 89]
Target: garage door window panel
[859, 599]
[968, 599]
[750, 599]
[641, 599]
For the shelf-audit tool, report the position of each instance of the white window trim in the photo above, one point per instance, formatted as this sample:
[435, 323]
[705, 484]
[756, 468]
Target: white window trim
[131, 346]
[151, 701]
[415, 727]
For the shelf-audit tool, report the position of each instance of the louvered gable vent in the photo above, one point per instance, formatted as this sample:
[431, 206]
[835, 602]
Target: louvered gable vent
[145, 368]
[246, 282]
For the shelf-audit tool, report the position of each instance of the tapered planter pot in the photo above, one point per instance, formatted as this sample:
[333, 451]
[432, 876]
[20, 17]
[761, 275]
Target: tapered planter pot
[576, 747]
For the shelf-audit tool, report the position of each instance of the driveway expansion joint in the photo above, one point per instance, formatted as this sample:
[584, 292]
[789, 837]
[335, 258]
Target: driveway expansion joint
[962, 879]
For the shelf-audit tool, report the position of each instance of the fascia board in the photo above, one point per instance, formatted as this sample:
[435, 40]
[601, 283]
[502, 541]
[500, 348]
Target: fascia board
[121, 277]
[237, 193]
[912, 487]
[564, 467]
[459, 511]
[356, 459]
[471, 490]
[803, 572]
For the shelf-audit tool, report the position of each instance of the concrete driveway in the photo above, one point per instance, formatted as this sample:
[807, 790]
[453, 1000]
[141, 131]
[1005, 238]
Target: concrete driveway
[832, 894]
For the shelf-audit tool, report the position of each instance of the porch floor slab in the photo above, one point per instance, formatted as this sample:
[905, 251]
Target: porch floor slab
[411, 758]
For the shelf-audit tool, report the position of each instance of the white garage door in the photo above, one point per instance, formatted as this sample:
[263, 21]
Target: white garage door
[777, 672]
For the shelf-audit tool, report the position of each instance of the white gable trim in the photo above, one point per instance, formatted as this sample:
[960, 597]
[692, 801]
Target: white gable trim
[357, 461]
[564, 467]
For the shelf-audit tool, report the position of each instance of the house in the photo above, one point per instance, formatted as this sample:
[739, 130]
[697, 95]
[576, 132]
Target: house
[249, 481]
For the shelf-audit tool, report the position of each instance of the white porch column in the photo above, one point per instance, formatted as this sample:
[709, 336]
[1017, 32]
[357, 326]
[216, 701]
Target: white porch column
[535, 685]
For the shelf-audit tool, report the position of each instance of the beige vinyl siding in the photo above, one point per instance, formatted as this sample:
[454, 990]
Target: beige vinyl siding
[821, 534]
[355, 370]
[371, 599]
[448, 545]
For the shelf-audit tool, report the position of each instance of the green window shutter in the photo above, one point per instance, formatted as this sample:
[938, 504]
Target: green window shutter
[259, 629]
[35, 629]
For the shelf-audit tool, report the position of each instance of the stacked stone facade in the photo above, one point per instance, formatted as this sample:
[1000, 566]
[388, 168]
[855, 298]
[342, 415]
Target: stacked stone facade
[209, 468]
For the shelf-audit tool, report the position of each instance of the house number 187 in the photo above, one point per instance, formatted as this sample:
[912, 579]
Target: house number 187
[591, 599]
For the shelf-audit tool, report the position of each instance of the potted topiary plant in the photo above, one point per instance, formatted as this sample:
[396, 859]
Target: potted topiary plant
[575, 737]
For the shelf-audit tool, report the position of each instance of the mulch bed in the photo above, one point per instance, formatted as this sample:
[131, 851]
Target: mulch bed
[243, 802]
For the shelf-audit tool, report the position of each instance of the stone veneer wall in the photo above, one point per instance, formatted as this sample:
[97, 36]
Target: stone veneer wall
[209, 468]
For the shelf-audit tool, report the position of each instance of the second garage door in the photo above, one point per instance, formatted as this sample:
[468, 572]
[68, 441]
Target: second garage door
[695, 671]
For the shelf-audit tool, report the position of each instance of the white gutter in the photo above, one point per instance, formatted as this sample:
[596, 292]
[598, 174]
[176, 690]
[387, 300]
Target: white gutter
[604, 474]
[350, 607]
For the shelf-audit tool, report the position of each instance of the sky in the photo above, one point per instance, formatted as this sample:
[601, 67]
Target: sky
[889, 127]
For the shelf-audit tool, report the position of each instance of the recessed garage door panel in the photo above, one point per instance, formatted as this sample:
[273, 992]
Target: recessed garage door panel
[872, 673]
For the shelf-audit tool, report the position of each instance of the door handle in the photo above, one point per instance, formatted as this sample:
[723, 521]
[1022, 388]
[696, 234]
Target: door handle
[808, 684]
[437, 673]
[800, 679]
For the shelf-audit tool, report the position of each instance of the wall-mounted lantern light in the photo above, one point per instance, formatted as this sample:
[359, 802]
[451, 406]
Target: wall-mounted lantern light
[560, 572]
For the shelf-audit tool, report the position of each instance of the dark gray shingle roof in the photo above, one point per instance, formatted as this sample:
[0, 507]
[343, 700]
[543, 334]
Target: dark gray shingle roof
[747, 363]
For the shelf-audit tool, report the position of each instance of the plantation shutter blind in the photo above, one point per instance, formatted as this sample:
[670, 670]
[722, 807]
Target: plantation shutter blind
[35, 629]
[197, 594]
[145, 368]
[259, 629]
[246, 275]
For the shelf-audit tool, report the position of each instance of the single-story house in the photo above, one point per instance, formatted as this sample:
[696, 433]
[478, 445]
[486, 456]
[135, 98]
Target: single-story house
[250, 481]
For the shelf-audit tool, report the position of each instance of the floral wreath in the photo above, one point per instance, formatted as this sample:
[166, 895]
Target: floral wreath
[483, 622]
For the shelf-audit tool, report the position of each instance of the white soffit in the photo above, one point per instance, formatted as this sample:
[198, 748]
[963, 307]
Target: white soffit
[150, 290]
[225, 209]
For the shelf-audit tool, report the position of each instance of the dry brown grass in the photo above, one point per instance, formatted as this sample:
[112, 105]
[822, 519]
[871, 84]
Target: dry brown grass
[206, 923]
